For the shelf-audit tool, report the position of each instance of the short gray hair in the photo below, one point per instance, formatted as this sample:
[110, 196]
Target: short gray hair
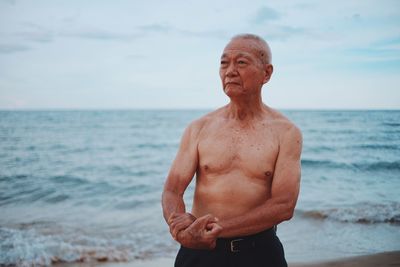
[262, 47]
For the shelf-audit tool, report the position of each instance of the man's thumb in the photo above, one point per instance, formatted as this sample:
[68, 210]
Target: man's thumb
[206, 219]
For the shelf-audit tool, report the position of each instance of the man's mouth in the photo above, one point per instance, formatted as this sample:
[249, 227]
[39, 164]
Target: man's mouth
[236, 83]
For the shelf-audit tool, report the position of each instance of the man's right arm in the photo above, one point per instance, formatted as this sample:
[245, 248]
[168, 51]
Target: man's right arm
[184, 227]
[181, 173]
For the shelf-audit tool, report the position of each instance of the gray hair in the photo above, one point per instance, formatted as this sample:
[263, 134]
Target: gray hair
[262, 48]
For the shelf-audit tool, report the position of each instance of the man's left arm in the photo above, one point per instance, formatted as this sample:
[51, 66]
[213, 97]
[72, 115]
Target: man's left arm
[284, 192]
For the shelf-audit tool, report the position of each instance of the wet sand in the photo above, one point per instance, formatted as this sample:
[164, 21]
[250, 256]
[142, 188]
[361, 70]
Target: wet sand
[386, 259]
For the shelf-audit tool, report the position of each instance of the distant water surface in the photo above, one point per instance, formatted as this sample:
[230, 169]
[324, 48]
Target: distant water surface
[86, 185]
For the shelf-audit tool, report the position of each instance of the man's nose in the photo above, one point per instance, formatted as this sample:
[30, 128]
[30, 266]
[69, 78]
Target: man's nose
[231, 70]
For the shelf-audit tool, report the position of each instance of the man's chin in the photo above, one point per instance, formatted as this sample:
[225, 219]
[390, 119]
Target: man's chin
[232, 92]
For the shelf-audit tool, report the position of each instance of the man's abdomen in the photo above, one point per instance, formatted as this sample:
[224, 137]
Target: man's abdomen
[228, 195]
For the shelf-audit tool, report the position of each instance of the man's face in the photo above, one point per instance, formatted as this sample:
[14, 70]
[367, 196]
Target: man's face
[242, 71]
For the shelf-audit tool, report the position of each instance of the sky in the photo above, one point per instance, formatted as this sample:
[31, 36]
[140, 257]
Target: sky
[130, 54]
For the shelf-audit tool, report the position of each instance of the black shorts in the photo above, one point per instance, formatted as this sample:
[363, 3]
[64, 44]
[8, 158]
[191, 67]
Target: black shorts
[260, 250]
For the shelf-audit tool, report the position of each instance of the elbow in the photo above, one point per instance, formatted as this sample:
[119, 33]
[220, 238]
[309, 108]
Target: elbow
[287, 211]
[288, 214]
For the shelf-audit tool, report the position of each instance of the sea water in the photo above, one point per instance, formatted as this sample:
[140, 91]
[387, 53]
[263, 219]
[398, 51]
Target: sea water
[86, 185]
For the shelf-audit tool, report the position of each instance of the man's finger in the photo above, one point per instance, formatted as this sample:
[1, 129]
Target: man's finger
[206, 219]
[177, 217]
[171, 217]
[210, 224]
[182, 222]
[179, 227]
[214, 229]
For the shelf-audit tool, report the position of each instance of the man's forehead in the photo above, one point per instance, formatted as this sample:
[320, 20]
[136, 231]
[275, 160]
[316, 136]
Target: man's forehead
[240, 46]
[236, 53]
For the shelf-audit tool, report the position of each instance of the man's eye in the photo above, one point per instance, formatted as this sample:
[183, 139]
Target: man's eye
[241, 62]
[224, 64]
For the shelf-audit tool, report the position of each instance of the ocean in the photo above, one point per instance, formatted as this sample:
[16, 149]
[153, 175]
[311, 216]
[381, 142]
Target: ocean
[86, 185]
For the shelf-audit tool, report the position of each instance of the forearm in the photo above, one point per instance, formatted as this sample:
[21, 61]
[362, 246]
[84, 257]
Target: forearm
[256, 220]
[172, 202]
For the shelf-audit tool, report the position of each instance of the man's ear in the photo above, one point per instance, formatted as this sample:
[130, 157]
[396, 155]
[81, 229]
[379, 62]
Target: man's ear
[268, 72]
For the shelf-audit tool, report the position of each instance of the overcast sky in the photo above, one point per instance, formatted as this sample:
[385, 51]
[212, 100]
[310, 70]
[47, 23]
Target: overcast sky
[165, 54]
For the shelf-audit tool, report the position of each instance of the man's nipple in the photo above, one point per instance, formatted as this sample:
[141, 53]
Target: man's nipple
[268, 173]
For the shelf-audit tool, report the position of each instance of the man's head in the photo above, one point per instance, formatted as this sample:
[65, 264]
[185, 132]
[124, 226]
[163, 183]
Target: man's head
[258, 44]
[245, 65]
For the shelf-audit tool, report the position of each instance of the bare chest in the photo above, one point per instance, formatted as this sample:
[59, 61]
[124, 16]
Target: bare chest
[225, 149]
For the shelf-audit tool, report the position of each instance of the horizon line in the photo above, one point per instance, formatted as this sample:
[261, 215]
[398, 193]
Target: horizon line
[194, 109]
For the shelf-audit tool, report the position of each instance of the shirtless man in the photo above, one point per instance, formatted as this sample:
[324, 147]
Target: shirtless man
[246, 157]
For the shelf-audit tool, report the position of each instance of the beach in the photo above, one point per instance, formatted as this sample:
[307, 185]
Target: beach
[386, 259]
[85, 187]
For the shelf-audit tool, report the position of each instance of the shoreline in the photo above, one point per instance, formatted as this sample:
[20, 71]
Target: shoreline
[384, 259]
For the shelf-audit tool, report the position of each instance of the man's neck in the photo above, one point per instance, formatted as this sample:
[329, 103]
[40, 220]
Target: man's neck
[244, 109]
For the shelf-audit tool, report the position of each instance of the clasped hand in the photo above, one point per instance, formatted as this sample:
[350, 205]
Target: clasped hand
[192, 232]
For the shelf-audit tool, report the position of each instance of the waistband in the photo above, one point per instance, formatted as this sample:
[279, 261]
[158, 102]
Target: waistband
[242, 243]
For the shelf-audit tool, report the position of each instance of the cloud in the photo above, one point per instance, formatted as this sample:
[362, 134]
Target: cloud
[388, 42]
[12, 48]
[356, 16]
[29, 31]
[160, 28]
[265, 14]
[155, 28]
[380, 56]
[304, 6]
[35, 33]
[36, 36]
[382, 50]
[10, 2]
[134, 57]
[103, 35]
[217, 34]
[284, 32]
[70, 18]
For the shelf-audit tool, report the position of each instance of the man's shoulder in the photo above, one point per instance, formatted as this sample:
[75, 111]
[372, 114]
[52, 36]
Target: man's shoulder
[283, 124]
[206, 119]
[198, 124]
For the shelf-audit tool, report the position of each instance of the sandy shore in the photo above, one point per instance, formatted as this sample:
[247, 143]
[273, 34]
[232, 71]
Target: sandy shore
[386, 259]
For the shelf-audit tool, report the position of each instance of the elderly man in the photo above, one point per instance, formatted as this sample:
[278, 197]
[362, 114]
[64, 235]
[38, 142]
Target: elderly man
[246, 157]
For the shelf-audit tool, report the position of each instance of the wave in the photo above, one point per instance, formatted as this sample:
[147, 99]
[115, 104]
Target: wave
[155, 145]
[28, 189]
[381, 165]
[368, 213]
[28, 247]
[322, 148]
[377, 147]
[13, 177]
[323, 164]
[392, 124]
[68, 180]
[366, 166]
